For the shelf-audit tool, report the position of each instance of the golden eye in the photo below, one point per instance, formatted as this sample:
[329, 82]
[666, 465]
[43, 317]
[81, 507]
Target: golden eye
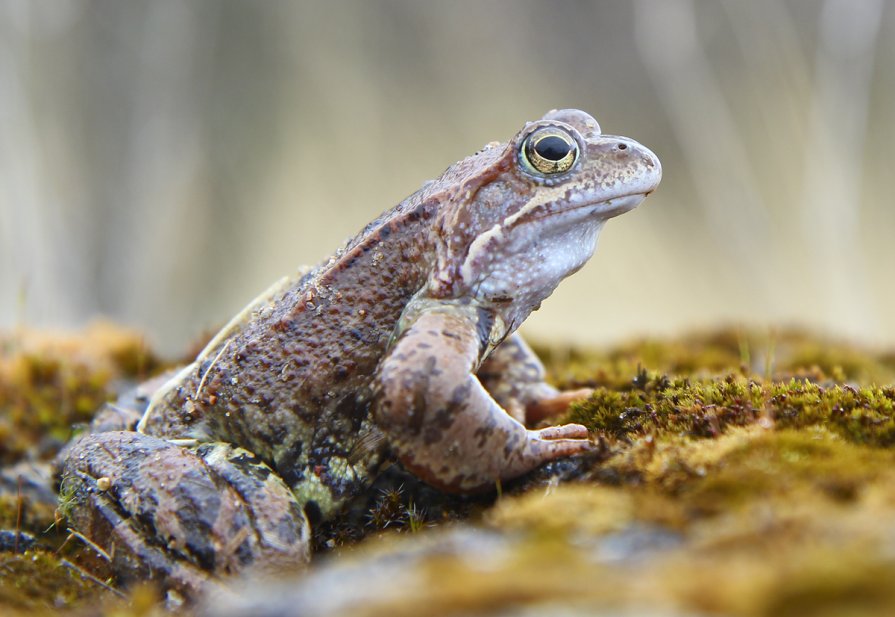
[550, 151]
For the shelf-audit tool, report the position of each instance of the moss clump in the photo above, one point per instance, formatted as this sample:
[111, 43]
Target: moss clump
[681, 406]
[678, 406]
[678, 483]
[50, 382]
[772, 356]
[786, 467]
[37, 581]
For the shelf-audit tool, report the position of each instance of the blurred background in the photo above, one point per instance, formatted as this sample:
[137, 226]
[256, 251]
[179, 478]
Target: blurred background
[163, 162]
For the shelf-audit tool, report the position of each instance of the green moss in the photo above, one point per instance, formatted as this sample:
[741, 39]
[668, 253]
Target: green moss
[774, 356]
[38, 581]
[781, 467]
[682, 406]
[828, 585]
[677, 406]
[51, 382]
[768, 459]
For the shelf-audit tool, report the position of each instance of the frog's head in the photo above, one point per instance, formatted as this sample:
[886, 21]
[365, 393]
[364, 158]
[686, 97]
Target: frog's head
[525, 215]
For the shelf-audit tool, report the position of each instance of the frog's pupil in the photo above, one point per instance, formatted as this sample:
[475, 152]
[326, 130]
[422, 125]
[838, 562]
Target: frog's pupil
[552, 148]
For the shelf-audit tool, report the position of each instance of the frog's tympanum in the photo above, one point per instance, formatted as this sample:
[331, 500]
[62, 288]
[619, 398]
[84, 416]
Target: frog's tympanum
[401, 345]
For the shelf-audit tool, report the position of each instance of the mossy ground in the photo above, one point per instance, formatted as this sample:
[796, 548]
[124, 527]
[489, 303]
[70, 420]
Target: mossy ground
[50, 382]
[738, 473]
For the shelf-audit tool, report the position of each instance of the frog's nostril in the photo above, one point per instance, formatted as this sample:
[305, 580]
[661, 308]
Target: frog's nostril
[622, 146]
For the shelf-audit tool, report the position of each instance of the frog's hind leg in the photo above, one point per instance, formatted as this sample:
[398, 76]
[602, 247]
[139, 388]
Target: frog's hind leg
[184, 517]
[36, 480]
[514, 375]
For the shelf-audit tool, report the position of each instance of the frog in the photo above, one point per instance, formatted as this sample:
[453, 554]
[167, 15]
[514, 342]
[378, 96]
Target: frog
[401, 346]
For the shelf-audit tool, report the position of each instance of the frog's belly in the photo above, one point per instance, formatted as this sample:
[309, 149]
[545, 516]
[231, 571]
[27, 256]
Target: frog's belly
[324, 445]
[327, 454]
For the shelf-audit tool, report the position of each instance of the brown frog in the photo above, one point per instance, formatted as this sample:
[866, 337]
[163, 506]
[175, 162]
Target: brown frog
[400, 345]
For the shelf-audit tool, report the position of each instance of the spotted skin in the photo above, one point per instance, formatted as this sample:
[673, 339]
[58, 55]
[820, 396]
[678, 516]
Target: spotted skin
[399, 345]
[214, 508]
[444, 425]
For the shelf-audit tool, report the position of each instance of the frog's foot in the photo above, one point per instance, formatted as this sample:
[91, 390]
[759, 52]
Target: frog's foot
[569, 432]
[514, 376]
[543, 409]
[182, 517]
[553, 442]
[442, 422]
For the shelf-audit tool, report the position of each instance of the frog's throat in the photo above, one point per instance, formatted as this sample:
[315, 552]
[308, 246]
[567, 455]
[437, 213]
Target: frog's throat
[576, 208]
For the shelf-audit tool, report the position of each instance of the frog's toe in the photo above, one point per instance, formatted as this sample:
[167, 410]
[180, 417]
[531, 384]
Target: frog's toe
[556, 442]
[545, 408]
[565, 431]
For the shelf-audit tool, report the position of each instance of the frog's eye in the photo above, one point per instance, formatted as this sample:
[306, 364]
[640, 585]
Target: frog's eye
[550, 151]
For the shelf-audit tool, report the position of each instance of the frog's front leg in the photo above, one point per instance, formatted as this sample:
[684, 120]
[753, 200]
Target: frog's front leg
[514, 375]
[184, 517]
[441, 421]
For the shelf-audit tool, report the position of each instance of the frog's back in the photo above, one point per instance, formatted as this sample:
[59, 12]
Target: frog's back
[290, 379]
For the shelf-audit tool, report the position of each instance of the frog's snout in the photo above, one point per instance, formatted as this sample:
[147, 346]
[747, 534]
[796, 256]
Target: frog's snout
[641, 161]
[651, 162]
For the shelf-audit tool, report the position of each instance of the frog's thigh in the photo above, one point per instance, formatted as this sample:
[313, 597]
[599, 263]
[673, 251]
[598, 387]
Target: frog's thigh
[514, 375]
[165, 512]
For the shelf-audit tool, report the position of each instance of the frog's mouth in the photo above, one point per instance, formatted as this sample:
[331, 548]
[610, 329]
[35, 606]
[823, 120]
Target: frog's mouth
[607, 208]
[579, 209]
